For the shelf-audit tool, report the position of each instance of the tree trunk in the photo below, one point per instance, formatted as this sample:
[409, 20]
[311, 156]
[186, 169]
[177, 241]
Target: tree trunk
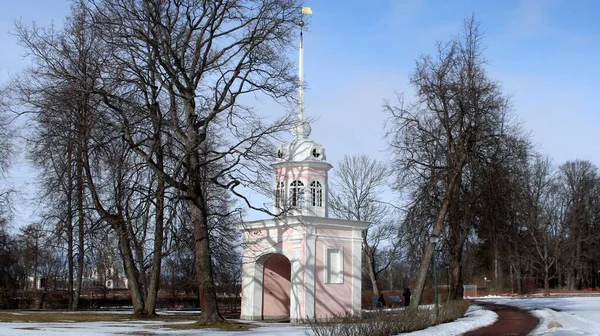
[512, 281]
[209, 311]
[519, 280]
[133, 276]
[496, 273]
[158, 246]
[119, 225]
[456, 289]
[422, 275]
[152, 290]
[546, 271]
[455, 244]
[81, 224]
[371, 267]
[69, 227]
[138, 251]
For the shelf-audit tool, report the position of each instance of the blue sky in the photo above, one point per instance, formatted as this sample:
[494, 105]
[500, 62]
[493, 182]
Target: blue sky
[357, 53]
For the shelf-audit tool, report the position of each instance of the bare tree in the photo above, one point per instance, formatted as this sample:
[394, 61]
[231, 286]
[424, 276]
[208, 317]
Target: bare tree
[456, 114]
[54, 91]
[356, 194]
[579, 181]
[6, 136]
[6, 153]
[198, 57]
[79, 157]
[543, 222]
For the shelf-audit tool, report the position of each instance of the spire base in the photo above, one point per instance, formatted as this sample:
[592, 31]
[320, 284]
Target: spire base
[301, 130]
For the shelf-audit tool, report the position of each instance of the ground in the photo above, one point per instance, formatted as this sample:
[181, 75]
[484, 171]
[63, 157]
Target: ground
[558, 316]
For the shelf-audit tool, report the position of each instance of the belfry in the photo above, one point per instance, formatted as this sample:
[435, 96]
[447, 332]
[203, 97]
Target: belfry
[301, 264]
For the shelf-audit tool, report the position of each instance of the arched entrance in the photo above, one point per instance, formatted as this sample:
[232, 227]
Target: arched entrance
[277, 272]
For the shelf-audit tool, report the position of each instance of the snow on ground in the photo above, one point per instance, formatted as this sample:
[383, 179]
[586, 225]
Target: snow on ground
[576, 315]
[476, 317]
[139, 328]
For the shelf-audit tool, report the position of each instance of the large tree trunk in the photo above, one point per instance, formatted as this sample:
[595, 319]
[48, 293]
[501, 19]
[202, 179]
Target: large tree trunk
[455, 243]
[69, 228]
[209, 311]
[138, 251]
[437, 230]
[456, 279]
[422, 275]
[159, 194]
[81, 225]
[158, 246]
[133, 276]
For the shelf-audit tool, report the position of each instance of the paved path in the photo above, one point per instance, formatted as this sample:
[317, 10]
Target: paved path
[511, 321]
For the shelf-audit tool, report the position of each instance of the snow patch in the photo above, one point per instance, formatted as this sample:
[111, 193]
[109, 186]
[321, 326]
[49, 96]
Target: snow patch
[475, 318]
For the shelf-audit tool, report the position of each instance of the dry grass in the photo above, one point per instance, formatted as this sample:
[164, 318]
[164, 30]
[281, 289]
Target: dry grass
[385, 323]
[74, 317]
[225, 326]
[63, 316]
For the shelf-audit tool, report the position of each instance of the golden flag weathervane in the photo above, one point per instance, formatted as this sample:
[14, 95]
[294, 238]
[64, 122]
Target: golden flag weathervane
[305, 11]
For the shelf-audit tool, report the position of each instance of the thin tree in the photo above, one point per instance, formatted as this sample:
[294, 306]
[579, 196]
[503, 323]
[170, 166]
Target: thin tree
[356, 194]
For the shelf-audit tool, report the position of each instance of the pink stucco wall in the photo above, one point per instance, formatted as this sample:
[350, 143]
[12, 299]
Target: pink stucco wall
[333, 298]
[334, 232]
[276, 286]
[267, 238]
[304, 174]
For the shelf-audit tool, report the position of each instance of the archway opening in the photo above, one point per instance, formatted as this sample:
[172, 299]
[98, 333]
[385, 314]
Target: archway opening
[277, 272]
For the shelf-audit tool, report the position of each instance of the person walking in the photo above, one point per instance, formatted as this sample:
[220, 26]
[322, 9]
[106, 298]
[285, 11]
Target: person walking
[406, 295]
[381, 300]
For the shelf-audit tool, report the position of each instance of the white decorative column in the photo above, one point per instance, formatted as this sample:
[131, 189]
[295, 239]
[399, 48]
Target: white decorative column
[356, 271]
[247, 282]
[296, 282]
[310, 251]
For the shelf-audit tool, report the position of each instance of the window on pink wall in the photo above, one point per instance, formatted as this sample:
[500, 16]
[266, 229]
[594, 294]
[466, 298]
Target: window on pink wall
[316, 194]
[297, 194]
[279, 194]
[334, 265]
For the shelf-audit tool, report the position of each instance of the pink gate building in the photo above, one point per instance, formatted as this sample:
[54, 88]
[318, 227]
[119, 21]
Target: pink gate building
[301, 264]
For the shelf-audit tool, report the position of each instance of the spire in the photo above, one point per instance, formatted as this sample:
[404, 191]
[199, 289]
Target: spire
[302, 128]
[301, 75]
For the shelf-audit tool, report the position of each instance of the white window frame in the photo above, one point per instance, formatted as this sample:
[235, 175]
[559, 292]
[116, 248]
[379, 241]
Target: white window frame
[328, 271]
[316, 193]
[297, 194]
[279, 195]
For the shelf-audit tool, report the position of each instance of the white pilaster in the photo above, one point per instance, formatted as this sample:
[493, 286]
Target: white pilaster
[296, 283]
[356, 271]
[252, 289]
[310, 254]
